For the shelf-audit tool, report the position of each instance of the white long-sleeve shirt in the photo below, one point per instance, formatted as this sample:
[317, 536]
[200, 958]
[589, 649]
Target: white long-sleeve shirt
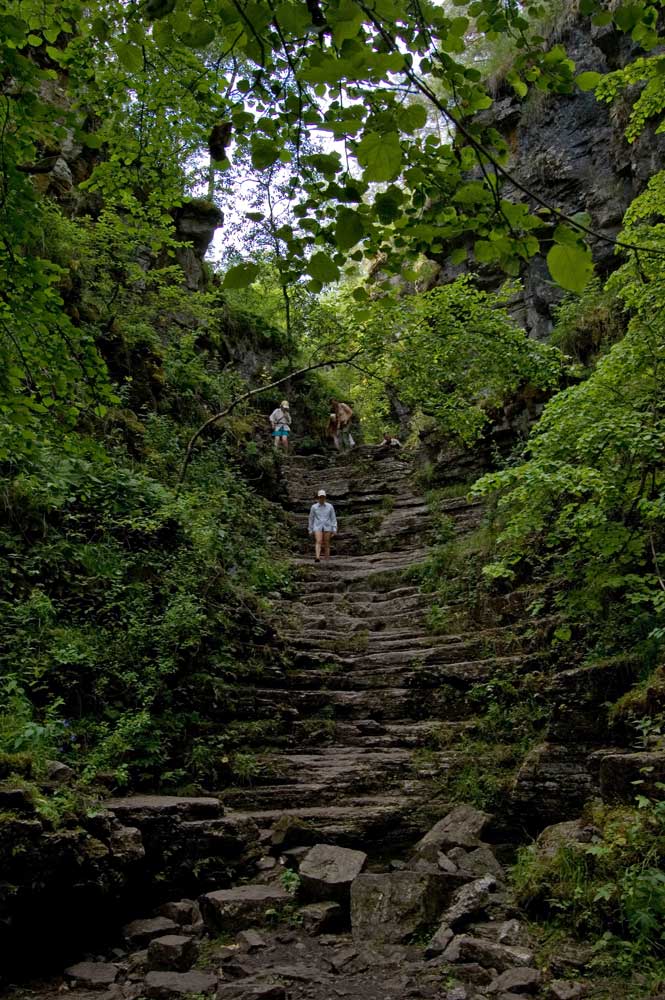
[322, 517]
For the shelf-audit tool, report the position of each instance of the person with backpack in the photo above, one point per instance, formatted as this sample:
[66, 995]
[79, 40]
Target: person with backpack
[322, 525]
[280, 421]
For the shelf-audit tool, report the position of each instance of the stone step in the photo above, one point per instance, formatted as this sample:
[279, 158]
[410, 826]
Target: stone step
[377, 702]
[389, 820]
[379, 601]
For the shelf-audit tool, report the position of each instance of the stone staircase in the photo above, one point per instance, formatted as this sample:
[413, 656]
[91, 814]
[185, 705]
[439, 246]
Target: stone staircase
[362, 662]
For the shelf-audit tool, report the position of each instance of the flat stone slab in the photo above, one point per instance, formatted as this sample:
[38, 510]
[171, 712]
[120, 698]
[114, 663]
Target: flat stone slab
[141, 932]
[189, 807]
[243, 907]
[93, 975]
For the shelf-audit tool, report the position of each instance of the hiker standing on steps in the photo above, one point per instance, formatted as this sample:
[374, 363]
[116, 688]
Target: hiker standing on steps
[322, 524]
[280, 421]
[339, 427]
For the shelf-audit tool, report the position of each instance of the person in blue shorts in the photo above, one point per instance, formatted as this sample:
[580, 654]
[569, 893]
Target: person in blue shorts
[280, 421]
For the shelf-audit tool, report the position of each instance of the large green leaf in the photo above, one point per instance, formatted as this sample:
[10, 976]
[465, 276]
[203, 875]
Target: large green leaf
[570, 266]
[322, 268]
[380, 155]
[588, 81]
[349, 229]
[198, 34]
[240, 276]
[265, 152]
[412, 117]
[130, 56]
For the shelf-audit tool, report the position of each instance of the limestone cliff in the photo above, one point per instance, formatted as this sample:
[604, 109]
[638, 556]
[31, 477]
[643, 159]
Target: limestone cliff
[571, 150]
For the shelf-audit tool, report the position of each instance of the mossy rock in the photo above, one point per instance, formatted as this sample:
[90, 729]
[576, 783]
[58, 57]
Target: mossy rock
[16, 763]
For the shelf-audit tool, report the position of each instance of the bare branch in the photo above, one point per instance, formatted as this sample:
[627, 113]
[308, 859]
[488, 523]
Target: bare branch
[330, 363]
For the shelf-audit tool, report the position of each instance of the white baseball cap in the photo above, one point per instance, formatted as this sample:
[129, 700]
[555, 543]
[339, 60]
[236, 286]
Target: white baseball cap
[321, 493]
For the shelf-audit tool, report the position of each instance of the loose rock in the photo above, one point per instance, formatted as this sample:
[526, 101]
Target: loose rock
[327, 872]
[173, 951]
[462, 827]
[487, 953]
[250, 941]
[469, 901]
[241, 907]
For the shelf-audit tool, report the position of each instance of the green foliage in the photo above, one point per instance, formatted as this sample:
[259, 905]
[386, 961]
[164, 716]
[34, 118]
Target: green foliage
[612, 889]
[585, 510]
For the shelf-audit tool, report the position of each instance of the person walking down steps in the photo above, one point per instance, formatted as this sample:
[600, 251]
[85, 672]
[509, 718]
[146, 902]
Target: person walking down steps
[323, 525]
[280, 421]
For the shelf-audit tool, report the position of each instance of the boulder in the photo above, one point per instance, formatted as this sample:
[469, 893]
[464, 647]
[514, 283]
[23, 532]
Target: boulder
[390, 908]
[241, 907]
[93, 975]
[572, 831]
[469, 901]
[173, 985]
[59, 773]
[327, 872]
[321, 918]
[517, 981]
[489, 954]
[140, 932]
[462, 827]
[175, 952]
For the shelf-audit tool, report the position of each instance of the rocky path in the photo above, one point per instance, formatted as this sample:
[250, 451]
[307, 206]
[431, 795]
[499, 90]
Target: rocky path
[364, 671]
[364, 884]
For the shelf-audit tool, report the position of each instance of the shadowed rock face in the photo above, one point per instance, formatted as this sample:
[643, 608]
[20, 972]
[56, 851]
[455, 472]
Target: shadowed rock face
[570, 149]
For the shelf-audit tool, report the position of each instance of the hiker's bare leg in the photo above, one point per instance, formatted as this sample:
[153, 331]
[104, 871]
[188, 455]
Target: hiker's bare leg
[276, 442]
[326, 544]
[318, 539]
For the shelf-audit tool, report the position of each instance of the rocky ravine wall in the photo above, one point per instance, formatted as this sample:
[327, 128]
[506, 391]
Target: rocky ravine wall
[571, 150]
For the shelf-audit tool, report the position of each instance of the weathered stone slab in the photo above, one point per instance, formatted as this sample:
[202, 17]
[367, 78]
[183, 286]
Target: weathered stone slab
[138, 806]
[327, 872]
[140, 932]
[241, 907]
